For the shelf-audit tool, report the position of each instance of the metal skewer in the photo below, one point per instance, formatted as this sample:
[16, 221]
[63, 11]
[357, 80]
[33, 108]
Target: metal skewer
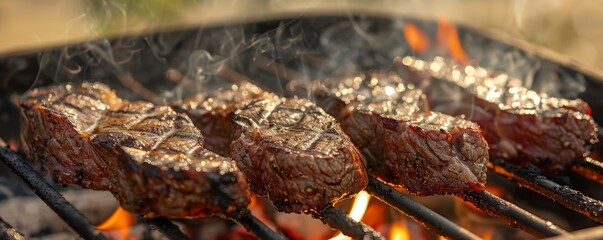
[49, 195]
[591, 169]
[254, 225]
[514, 215]
[341, 221]
[167, 228]
[528, 177]
[419, 213]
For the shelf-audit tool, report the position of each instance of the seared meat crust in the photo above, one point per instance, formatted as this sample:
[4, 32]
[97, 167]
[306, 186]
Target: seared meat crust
[149, 156]
[297, 155]
[212, 112]
[406, 144]
[521, 125]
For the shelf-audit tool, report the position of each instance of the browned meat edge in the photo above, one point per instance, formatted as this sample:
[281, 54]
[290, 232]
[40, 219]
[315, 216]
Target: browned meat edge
[294, 153]
[150, 157]
[520, 125]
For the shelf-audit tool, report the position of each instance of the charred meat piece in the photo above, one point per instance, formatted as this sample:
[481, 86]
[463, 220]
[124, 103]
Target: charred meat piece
[212, 112]
[55, 127]
[521, 125]
[406, 144]
[293, 152]
[149, 156]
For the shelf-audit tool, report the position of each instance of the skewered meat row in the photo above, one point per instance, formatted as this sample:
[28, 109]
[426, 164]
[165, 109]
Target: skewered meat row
[290, 151]
[406, 144]
[520, 125]
[150, 157]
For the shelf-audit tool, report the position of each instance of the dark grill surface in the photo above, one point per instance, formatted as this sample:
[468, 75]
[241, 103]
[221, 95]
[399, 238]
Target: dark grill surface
[322, 49]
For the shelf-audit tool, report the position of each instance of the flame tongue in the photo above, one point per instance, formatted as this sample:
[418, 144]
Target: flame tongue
[117, 226]
[447, 38]
[416, 39]
[399, 230]
[357, 212]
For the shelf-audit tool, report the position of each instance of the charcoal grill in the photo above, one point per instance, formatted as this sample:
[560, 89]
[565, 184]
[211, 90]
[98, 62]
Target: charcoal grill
[270, 53]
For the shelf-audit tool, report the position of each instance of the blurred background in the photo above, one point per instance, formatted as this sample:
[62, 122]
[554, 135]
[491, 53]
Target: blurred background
[572, 28]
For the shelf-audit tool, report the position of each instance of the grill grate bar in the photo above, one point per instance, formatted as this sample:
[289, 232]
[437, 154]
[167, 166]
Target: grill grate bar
[254, 225]
[167, 228]
[528, 177]
[591, 169]
[419, 213]
[341, 221]
[54, 199]
[49, 195]
[514, 215]
[7, 232]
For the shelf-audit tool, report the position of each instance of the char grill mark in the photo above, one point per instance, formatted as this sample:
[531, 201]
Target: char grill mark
[212, 112]
[407, 145]
[149, 156]
[54, 131]
[293, 152]
[521, 125]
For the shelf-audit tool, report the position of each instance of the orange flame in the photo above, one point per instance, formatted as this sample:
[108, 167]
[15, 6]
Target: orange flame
[399, 231]
[357, 211]
[448, 39]
[416, 39]
[117, 226]
[488, 235]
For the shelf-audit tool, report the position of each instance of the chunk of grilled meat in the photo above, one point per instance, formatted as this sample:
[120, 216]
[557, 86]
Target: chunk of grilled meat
[293, 152]
[521, 125]
[149, 156]
[406, 144]
[55, 127]
[212, 112]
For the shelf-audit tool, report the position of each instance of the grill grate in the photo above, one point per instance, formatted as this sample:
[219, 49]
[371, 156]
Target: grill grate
[82, 226]
[529, 177]
[49, 195]
[516, 216]
[590, 168]
[483, 200]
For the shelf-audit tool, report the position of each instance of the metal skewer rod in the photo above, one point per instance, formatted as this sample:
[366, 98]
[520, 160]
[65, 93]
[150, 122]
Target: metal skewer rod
[254, 225]
[416, 211]
[514, 215]
[529, 177]
[49, 195]
[591, 169]
[167, 228]
[339, 220]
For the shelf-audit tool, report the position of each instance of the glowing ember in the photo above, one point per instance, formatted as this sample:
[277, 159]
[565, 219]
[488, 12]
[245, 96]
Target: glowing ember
[416, 39]
[448, 39]
[399, 231]
[13, 144]
[117, 226]
[357, 212]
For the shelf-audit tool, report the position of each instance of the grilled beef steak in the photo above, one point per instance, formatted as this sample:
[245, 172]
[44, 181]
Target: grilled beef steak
[55, 127]
[149, 156]
[520, 125]
[406, 144]
[293, 152]
[212, 112]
